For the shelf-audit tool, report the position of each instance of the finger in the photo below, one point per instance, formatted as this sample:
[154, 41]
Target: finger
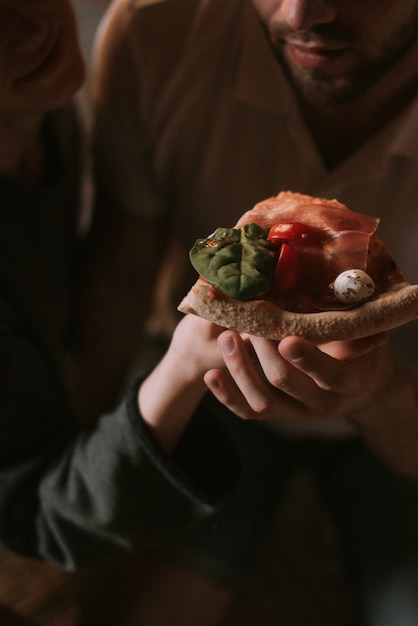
[264, 400]
[245, 371]
[327, 372]
[225, 390]
[298, 381]
[348, 350]
[277, 406]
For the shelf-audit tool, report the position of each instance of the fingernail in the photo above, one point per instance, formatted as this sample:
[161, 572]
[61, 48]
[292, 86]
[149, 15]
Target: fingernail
[294, 353]
[227, 345]
[214, 384]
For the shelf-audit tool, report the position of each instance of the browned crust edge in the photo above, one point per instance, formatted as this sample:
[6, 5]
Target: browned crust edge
[263, 318]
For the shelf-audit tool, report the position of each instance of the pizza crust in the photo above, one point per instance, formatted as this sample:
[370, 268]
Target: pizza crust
[263, 318]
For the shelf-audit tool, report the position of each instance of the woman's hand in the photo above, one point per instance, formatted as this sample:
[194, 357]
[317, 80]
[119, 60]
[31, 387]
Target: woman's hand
[170, 394]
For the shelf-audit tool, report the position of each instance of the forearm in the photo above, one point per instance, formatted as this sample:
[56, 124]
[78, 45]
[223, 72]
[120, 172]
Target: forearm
[168, 398]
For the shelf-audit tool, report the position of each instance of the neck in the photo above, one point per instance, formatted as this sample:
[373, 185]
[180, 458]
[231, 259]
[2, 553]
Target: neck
[21, 147]
[341, 129]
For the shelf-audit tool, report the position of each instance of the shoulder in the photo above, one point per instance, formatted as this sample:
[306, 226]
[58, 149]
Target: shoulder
[140, 35]
[150, 36]
[151, 22]
[131, 15]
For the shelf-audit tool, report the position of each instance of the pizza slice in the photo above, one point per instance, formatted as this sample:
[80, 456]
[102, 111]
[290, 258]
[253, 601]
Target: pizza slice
[300, 265]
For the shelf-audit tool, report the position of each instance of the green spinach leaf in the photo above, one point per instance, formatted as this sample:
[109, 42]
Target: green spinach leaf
[240, 261]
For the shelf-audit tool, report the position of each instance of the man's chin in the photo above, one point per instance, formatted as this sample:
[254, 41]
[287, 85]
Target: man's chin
[319, 89]
[324, 95]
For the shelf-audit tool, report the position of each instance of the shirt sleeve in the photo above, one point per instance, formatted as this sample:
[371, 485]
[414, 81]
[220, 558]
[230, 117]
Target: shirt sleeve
[74, 496]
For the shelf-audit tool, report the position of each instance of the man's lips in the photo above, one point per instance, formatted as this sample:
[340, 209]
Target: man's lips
[314, 56]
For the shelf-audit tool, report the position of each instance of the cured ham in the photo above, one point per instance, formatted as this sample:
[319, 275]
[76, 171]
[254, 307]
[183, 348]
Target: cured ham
[342, 243]
[273, 274]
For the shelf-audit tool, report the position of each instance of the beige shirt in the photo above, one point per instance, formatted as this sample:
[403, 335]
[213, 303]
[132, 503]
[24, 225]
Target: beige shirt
[197, 121]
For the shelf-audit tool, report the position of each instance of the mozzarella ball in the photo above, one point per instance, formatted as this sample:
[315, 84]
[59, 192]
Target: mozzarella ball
[353, 286]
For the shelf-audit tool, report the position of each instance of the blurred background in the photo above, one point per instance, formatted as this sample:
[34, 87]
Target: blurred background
[89, 13]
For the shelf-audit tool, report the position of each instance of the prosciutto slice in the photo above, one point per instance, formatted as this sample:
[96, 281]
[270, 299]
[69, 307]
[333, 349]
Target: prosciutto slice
[343, 244]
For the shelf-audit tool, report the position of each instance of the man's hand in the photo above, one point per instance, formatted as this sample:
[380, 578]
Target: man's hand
[296, 380]
[313, 381]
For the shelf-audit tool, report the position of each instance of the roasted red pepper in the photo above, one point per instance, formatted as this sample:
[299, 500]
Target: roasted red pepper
[286, 273]
[293, 232]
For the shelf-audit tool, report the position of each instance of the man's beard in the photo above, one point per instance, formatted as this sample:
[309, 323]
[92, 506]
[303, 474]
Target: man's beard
[318, 87]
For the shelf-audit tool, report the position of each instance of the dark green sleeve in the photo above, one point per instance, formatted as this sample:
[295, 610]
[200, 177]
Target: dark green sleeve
[75, 496]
